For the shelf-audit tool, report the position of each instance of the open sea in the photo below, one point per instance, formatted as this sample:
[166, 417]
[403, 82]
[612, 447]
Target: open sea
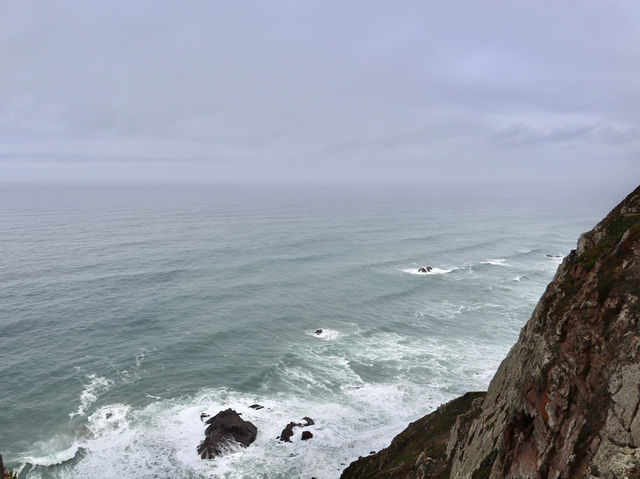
[126, 312]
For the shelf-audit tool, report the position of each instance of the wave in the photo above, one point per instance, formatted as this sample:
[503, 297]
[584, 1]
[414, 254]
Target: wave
[326, 334]
[96, 386]
[496, 262]
[433, 271]
[56, 457]
[148, 441]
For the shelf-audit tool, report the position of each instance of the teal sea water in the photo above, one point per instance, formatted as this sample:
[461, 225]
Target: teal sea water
[126, 312]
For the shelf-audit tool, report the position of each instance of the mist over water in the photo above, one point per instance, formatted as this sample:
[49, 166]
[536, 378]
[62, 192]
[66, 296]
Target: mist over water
[126, 312]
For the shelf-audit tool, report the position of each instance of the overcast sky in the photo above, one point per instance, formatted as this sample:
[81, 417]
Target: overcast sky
[308, 90]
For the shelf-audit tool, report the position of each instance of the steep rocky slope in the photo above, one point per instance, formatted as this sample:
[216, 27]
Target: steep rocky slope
[565, 401]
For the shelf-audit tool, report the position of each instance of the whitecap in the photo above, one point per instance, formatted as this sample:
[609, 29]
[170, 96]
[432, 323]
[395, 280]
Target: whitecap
[96, 386]
[54, 458]
[496, 262]
[433, 271]
[326, 334]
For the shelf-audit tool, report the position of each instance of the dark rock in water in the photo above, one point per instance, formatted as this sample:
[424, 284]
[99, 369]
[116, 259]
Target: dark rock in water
[318, 332]
[108, 415]
[429, 268]
[553, 256]
[422, 270]
[287, 432]
[225, 429]
[203, 415]
[306, 435]
[256, 406]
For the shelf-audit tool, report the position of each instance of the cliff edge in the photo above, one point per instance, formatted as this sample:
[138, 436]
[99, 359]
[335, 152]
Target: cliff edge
[564, 403]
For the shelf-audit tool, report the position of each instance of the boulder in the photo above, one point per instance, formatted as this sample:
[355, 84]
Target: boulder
[306, 435]
[226, 429]
[287, 432]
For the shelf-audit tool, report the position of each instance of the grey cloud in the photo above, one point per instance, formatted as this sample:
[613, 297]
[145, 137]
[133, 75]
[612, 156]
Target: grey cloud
[334, 90]
[522, 135]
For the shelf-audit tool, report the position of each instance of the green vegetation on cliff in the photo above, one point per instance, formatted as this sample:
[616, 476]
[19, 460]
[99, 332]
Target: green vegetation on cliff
[421, 445]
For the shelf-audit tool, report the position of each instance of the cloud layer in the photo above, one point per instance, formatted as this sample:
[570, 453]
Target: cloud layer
[319, 91]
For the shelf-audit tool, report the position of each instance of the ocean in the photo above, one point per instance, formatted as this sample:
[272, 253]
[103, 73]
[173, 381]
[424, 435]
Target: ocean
[128, 311]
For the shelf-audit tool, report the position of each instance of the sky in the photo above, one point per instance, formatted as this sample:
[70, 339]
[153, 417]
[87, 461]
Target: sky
[320, 91]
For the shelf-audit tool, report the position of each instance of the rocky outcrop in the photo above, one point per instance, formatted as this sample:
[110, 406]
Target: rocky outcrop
[287, 432]
[420, 450]
[565, 401]
[225, 430]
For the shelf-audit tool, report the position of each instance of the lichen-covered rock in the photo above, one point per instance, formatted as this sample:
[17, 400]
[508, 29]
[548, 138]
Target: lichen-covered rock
[563, 404]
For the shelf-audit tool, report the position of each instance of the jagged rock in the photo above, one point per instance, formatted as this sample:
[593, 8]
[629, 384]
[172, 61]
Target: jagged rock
[318, 332]
[256, 406]
[226, 429]
[306, 435]
[287, 432]
[421, 445]
[564, 403]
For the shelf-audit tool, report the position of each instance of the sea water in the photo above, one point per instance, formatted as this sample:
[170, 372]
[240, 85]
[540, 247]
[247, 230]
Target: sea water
[128, 311]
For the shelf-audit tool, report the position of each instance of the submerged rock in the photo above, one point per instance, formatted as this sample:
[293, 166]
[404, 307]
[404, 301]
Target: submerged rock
[318, 332]
[226, 429]
[256, 406]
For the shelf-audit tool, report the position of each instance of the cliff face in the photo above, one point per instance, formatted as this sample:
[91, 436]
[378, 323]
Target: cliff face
[565, 401]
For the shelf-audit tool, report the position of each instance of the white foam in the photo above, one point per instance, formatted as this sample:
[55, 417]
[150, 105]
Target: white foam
[108, 419]
[517, 278]
[496, 262]
[433, 271]
[139, 359]
[326, 334]
[96, 386]
[162, 436]
[56, 457]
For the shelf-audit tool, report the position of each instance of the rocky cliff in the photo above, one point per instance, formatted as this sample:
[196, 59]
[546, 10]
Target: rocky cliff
[565, 401]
